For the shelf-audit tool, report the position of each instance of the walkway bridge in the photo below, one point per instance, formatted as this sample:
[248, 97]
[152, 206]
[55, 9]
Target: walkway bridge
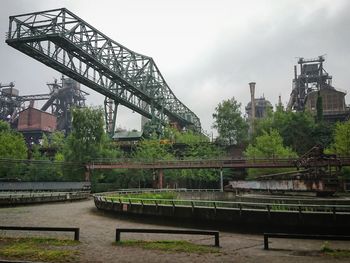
[215, 164]
[63, 41]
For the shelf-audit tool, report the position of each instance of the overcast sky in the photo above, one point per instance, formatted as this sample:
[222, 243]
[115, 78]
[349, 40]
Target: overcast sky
[207, 50]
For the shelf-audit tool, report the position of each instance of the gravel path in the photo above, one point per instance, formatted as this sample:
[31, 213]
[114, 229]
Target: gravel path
[97, 232]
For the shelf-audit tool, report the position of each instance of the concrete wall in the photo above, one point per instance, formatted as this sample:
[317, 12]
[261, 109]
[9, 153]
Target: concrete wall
[254, 220]
[16, 199]
[44, 186]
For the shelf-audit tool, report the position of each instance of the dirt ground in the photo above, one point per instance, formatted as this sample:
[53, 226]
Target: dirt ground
[97, 233]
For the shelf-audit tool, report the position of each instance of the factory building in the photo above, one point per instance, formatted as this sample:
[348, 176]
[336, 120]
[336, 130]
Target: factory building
[333, 104]
[262, 107]
[33, 123]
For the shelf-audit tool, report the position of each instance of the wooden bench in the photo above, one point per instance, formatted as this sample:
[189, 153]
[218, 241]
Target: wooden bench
[168, 231]
[76, 230]
[302, 236]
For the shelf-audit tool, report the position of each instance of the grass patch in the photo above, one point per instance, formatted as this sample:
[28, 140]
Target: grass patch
[170, 246]
[163, 195]
[38, 249]
[337, 253]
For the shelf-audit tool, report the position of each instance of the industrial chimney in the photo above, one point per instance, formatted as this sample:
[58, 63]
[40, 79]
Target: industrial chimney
[252, 100]
[252, 103]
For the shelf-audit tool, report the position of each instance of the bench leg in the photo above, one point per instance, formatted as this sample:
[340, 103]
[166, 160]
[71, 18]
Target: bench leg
[117, 236]
[266, 242]
[217, 241]
[76, 234]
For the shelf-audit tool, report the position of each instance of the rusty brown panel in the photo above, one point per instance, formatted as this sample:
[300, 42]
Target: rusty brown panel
[281, 185]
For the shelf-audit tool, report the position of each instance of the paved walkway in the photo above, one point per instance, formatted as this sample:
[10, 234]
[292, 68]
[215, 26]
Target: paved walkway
[97, 232]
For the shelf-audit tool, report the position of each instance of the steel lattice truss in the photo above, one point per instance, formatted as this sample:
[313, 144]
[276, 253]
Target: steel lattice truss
[63, 41]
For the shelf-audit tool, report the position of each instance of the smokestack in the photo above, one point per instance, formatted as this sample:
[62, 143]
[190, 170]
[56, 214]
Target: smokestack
[279, 101]
[252, 99]
[252, 103]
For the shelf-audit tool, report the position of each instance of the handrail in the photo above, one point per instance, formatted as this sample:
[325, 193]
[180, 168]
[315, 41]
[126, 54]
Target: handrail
[229, 205]
[151, 190]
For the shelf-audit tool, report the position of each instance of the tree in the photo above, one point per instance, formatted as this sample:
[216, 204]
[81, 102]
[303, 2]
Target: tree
[12, 146]
[85, 141]
[152, 150]
[4, 126]
[54, 140]
[319, 108]
[232, 128]
[268, 146]
[193, 146]
[298, 129]
[341, 144]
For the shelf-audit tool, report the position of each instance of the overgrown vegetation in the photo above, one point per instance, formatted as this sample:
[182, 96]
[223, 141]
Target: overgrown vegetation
[281, 134]
[170, 246]
[161, 195]
[268, 146]
[38, 249]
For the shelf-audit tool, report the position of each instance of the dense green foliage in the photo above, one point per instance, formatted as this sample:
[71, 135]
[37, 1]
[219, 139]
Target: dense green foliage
[228, 121]
[268, 146]
[38, 249]
[341, 145]
[281, 134]
[4, 126]
[12, 143]
[88, 141]
[160, 195]
[170, 246]
[298, 129]
[12, 146]
[319, 108]
[87, 137]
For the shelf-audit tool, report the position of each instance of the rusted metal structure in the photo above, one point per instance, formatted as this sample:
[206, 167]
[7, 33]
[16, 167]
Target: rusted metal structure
[33, 123]
[63, 97]
[202, 164]
[313, 81]
[320, 174]
[65, 42]
[59, 101]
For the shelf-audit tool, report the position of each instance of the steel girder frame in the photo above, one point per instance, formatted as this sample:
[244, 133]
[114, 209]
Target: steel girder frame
[64, 42]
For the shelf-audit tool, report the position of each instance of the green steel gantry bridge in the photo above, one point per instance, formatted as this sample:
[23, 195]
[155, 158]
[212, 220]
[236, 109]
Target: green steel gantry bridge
[63, 41]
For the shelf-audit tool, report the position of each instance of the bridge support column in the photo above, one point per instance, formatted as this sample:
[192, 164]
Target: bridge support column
[160, 178]
[111, 110]
[87, 175]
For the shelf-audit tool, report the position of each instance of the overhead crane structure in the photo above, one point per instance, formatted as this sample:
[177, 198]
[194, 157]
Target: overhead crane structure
[63, 41]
